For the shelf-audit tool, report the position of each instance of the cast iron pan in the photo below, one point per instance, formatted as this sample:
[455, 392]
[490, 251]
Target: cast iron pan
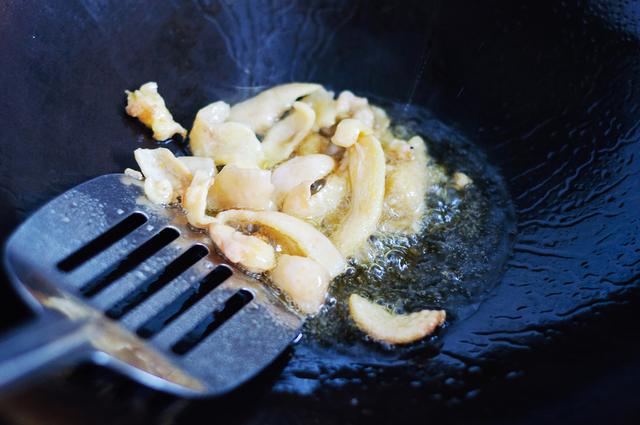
[549, 90]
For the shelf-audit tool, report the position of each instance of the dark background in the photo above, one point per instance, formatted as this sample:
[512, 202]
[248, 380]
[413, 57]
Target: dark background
[549, 89]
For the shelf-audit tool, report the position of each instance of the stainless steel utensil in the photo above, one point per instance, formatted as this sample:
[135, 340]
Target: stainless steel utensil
[124, 283]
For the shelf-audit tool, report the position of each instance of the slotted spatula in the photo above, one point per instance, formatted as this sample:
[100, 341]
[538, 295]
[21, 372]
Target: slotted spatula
[124, 283]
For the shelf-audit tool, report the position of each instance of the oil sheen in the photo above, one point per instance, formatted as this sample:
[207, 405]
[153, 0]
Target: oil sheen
[452, 264]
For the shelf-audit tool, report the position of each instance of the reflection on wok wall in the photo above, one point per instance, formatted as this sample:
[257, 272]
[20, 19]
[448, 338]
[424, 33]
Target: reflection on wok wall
[549, 91]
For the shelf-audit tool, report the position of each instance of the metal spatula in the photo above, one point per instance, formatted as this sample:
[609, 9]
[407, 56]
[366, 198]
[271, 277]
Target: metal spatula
[120, 282]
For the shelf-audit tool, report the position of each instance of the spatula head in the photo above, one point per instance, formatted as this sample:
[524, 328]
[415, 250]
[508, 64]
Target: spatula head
[158, 303]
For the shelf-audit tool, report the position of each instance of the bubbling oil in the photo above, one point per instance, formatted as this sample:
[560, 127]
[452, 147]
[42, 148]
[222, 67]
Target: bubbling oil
[452, 264]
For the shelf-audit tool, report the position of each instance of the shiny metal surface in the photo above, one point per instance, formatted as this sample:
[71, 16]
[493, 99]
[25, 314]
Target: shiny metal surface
[72, 328]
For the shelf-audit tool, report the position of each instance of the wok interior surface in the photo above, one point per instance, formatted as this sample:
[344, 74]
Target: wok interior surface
[548, 91]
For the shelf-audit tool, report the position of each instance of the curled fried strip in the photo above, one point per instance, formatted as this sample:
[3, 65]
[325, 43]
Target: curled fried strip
[262, 111]
[385, 326]
[366, 177]
[285, 136]
[310, 242]
[165, 176]
[148, 106]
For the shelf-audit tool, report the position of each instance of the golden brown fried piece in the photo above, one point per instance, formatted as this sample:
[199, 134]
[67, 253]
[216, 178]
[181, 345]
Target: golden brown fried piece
[384, 326]
[148, 106]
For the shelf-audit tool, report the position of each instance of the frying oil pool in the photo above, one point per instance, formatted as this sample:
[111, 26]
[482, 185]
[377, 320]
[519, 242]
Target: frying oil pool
[451, 265]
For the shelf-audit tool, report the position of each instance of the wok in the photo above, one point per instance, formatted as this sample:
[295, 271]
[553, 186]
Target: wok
[549, 91]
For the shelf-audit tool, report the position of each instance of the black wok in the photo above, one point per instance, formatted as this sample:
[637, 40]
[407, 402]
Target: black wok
[549, 90]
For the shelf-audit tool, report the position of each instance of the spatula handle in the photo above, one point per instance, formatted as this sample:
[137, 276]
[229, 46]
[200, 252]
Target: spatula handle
[40, 346]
